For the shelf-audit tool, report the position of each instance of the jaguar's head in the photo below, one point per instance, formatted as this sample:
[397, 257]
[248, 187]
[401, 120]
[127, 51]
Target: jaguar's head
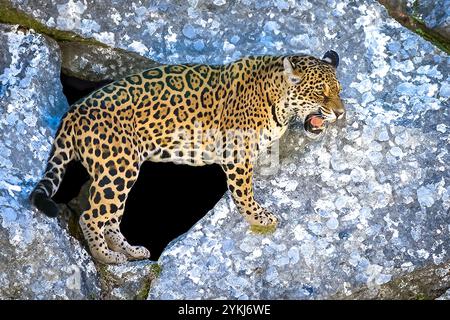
[312, 90]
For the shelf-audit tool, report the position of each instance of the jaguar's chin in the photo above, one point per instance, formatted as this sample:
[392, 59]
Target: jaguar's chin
[314, 125]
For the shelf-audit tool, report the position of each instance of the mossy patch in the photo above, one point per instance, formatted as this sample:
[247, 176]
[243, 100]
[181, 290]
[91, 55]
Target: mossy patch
[156, 269]
[415, 23]
[432, 36]
[422, 296]
[11, 15]
[142, 294]
[263, 230]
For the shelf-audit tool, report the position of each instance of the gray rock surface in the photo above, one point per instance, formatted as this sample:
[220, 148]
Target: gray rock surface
[201, 30]
[427, 283]
[95, 63]
[130, 281]
[38, 259]
[445, 296]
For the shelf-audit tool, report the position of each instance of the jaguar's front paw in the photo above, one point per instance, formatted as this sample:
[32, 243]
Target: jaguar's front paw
[266, 218]
[265, 222]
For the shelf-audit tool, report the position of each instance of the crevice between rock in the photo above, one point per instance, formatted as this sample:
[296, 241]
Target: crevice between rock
[426, 283]
[397, 9]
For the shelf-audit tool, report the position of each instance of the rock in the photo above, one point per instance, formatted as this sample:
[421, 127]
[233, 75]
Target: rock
[38, 260]
[435, 14]
[445, 296]
[429, 19]
[82, 57]
[96, 63]
[130, 281]
[431, 282]
[368, 194]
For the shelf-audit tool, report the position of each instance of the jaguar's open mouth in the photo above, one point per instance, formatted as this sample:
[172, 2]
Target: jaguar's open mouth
[314, 125]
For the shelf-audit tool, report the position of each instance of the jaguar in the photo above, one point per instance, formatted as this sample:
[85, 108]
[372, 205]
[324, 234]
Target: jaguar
[192, 114]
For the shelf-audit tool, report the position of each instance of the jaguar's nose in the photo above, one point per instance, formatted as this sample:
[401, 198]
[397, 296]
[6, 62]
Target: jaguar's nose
[339, 113]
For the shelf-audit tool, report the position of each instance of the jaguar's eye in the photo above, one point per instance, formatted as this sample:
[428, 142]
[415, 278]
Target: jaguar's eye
[294, 79]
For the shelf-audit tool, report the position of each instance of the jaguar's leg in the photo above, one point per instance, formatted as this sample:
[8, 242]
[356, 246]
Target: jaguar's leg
[124, 175]
[239, 180]
[93, 222]
[117, 242]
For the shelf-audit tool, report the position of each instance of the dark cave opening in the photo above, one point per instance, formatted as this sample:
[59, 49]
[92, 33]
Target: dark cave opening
[167, 199]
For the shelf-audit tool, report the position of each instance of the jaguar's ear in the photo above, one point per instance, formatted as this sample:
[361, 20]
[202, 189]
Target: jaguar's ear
[289, 72]
[331, 57]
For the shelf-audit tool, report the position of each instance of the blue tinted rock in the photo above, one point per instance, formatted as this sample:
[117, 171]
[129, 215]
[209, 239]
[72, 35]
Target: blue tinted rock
[39, 260]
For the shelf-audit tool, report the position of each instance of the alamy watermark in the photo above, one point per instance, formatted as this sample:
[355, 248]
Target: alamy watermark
[226, 146]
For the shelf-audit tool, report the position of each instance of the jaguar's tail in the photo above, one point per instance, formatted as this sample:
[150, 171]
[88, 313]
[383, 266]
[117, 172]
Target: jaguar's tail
[61, 154]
